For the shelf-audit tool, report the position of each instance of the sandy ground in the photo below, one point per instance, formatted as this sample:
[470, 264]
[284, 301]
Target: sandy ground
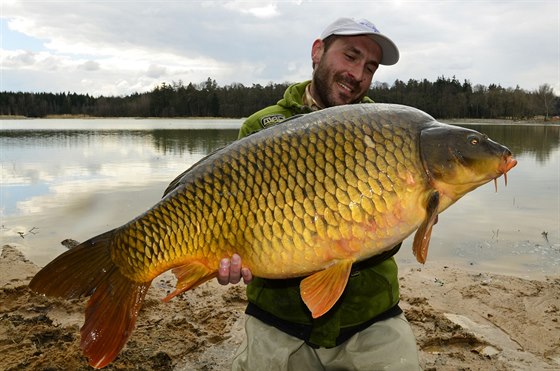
[462, 320]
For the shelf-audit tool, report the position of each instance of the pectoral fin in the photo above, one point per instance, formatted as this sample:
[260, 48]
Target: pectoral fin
[321, 290]
[189, 276]
[424, 232]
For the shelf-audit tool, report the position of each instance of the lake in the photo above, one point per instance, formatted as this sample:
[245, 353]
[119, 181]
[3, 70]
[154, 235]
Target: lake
[76, 178]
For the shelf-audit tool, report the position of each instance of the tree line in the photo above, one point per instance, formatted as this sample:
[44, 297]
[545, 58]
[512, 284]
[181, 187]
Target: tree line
[443, 98]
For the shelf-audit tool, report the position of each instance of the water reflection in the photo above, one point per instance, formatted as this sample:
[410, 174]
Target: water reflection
[77, 182]
[164, 141]
[199, 141]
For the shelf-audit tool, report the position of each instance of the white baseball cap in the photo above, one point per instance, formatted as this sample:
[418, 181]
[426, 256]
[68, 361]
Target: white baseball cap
[350, 27]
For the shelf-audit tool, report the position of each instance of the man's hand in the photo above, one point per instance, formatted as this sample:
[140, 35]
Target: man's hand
[231, 271]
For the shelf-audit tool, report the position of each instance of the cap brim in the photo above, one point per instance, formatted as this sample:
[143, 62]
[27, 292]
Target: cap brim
[390, 51]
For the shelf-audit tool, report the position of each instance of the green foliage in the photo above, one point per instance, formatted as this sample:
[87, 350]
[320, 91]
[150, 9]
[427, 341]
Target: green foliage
[448, 98]
[444, 98]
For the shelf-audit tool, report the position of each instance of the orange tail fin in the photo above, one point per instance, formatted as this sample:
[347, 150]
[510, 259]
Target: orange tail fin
[113, 307]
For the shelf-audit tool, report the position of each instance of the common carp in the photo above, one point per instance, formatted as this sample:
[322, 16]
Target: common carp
[304, 198]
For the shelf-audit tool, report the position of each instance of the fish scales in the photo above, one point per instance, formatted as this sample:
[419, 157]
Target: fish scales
[307, 197]
[291, 192]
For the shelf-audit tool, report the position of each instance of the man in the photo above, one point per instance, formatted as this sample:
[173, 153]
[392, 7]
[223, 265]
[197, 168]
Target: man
[366, 329]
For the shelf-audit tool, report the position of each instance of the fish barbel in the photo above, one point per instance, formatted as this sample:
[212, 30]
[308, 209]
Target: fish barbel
[304, 198]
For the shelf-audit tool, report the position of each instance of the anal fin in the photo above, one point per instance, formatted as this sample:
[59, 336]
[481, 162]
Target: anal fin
[321, 290]
[189, 276]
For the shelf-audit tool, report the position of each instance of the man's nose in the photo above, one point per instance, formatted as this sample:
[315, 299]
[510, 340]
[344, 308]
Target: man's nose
[356, 72]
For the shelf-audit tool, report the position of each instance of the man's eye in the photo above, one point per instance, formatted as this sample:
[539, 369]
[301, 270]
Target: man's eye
[350, 57]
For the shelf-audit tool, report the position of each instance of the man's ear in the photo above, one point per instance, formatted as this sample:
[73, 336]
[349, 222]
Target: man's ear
[317, 51]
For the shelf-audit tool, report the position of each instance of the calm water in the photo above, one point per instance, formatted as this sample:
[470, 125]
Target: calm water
[77, 178]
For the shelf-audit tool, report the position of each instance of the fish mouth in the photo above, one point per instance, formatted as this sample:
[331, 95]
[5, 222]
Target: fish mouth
[506, 164]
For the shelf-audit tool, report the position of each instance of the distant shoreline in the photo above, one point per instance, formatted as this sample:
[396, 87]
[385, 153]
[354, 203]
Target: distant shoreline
[503, 121]
[500, 121]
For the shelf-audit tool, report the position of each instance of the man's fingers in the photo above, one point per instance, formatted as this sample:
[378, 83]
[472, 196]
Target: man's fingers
[231, 271]
[246, 274]
[235, 269]
[223, 271]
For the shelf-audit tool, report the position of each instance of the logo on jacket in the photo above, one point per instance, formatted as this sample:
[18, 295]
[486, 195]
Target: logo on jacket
[272, 119]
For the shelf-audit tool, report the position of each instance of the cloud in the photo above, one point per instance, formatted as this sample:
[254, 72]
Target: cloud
[254, 8]
[130, 45]
[89, 66]
[18, 58]
[155, 71]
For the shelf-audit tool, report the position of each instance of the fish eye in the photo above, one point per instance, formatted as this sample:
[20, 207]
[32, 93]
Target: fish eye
[473, 140]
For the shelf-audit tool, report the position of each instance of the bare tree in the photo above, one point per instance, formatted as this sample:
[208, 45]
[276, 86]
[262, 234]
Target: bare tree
[546, 96]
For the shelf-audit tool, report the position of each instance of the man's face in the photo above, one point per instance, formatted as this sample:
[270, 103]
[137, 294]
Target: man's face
[344, 71]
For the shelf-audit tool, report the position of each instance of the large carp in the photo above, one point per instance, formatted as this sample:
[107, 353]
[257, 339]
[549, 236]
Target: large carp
[307, 197]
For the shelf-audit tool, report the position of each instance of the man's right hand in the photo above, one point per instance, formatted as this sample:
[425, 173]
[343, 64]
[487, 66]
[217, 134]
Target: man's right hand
[231, 271]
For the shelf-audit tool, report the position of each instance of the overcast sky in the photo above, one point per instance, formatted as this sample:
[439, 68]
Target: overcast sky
[118, 47]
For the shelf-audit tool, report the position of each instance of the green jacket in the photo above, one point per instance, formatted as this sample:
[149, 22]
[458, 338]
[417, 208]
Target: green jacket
[372, 290]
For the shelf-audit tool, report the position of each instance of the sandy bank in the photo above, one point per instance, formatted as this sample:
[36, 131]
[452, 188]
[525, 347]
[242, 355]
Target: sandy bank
[462, 320]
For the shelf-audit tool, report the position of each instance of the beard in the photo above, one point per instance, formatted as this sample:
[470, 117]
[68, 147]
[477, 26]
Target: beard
[325, 82]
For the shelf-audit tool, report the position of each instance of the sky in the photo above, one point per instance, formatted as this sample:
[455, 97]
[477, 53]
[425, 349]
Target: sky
[121, 47]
